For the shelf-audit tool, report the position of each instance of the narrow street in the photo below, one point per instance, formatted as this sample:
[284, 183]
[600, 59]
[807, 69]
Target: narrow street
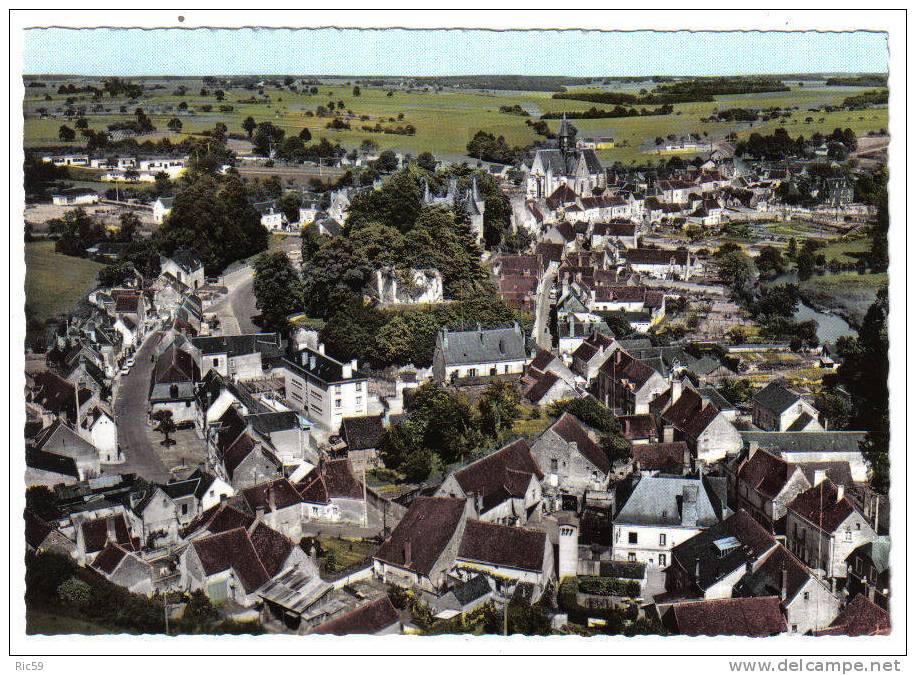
[542, 313]
[130, 410]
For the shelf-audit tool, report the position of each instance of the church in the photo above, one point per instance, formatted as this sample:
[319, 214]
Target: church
[565, 165]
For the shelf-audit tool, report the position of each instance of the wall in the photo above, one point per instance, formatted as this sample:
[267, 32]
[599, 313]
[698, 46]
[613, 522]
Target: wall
[647, 547]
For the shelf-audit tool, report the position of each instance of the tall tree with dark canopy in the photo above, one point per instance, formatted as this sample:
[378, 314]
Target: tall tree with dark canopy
[277, 289]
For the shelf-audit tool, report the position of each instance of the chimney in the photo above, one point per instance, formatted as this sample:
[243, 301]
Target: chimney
[668, 434]
[408, 558]
[840, 492]
[321, 348]
[876, 508]
[259, 512]
[111, 534]
[819, 476]
[353, 365]
[784, 592]
[689, 506]
[223, 498]
[478, 502]
[696, 573]
[312, 362]
[688, 458]
[676, 386]
[271, 498]
[346, 371]
[752, 448]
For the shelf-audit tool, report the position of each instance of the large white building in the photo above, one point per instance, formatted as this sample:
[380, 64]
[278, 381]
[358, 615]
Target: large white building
[325, 388]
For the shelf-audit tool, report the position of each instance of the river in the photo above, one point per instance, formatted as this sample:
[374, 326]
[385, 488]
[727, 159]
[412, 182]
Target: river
[829, 326]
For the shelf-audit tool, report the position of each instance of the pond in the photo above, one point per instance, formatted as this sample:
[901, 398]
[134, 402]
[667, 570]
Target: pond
[829, 326]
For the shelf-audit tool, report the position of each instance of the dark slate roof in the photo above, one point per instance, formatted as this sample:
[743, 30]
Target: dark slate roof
[181, 488]
[776, 397]
[655, 256]
[665, 500]
[325, 369]
[362, 433]
[801, 422]
[750, 617]
[483, 345]
[806, 441]
[36, 529]
[860, 617]
[272, 422]
[187, 259]
[502, 545]
[877, 551]
[820, 506]
[473, 589]
[767, 577]
[56, 394]
[571, 430]
[428, 526]
[367, 619]
[267, 344]
[751, 541]
[541, 387]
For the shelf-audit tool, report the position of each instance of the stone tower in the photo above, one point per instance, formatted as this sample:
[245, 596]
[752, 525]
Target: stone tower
[569, 548]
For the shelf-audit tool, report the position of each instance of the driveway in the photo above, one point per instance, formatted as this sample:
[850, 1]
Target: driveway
[131, 405]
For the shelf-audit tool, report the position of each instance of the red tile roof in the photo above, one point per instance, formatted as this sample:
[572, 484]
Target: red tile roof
[503, 546]
[751, 617]
[820, 506]
[426, 529]
[232, 549]
[490, 476]
[664, 457]
[860, 617]
[367, 619]
[95, 534]
[570, 429]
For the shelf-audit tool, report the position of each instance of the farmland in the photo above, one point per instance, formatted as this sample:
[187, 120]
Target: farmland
[446, 119]
[55, 282]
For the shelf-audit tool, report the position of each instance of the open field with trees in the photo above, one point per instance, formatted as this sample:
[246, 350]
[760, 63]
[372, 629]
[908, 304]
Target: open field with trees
[54, 282]
[440, 120]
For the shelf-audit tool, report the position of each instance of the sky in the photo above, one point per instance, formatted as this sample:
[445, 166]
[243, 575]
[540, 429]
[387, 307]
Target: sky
[334, 51]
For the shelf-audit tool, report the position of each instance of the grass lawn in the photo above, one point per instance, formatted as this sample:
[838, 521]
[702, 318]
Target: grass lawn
[845, 250]
[849, 293]
[346, 552]
[55, 282]
[530, 427]
[38, 622]
[446, 120]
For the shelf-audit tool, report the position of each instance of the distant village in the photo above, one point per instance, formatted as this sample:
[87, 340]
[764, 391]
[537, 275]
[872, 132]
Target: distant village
[178, 452]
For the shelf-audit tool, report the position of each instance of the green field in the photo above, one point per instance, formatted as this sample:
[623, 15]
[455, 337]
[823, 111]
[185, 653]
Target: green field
[55, 282]
[446, 120]
[39, 622]
[850, 294]
[845, 250]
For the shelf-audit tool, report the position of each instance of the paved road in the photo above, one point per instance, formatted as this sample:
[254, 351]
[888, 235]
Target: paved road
[542, 313]
[130, 409]
[243, 304]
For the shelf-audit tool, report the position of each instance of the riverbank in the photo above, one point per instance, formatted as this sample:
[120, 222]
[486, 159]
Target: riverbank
[847, 294]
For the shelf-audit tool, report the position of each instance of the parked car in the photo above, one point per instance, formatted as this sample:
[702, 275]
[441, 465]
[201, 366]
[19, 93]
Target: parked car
[130, 362]
[125, 370]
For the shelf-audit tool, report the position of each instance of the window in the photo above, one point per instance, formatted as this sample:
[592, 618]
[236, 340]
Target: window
[794, 627]
[184, 509]
[631, 557]
[662, 559]
[359, 401]
[337, 403]
[554, 465]
[216, 362]
[507, 369]
[633, 538]
[662, 540]
[807, 596]
[848, 535]
[472, 372]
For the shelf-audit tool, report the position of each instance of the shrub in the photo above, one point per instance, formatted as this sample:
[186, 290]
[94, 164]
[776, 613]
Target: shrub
[74, 592]
[609, 586]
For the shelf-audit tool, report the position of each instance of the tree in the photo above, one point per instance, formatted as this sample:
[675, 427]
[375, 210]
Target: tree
[277, 289]
[792, 248]
[498, 408]
[590, 411]
[616, 448]
[737, 390]
[175, 125]
[219, 94]
[66, 134]
[387, 162]
[770, 261]
[130, 223]
[426, 160]
[81, 123]
[735, 269]
[336, 273]
[836, 408]
[311, 240]
[356, 91]
[249, 125]
[305, 134]
[41, 501]
[166, 426]
[267, 138]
